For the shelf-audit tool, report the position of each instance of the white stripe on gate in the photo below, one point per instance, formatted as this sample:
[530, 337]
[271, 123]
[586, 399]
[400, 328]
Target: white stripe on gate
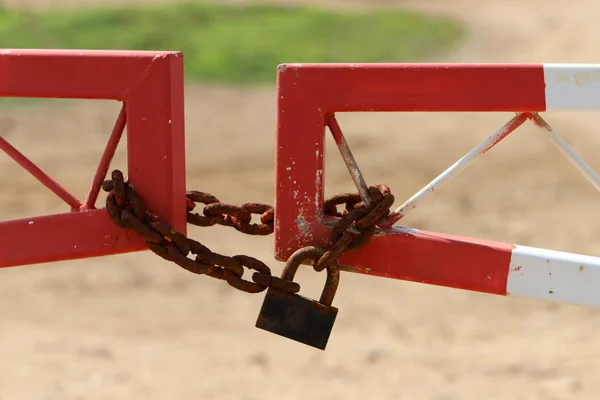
[554, 276]
[572, 86]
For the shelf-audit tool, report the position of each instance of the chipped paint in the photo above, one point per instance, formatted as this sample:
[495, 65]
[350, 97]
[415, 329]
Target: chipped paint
[318, 178]
[318, 183]
[304, 226]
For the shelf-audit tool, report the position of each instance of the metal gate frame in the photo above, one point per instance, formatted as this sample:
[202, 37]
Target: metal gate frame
[150, 86]
[309, 96]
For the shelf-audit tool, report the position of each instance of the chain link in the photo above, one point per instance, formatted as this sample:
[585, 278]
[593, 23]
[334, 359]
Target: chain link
[365, 220]
[239, 217]
[127, 210]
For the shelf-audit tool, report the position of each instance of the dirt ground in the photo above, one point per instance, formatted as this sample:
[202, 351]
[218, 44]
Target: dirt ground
[136, 327]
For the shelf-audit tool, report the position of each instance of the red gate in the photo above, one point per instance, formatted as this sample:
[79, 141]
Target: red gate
[309, 95]
[150, 86]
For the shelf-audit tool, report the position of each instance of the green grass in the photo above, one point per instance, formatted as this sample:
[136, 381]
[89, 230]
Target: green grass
[237, 44]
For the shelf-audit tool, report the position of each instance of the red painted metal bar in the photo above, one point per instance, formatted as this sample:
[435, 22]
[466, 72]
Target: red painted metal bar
[69, 236]
[151, 86]
[107, 156]
[414, 87]
[434, 258]
[76, 74]
[309, 93]
[40, 175]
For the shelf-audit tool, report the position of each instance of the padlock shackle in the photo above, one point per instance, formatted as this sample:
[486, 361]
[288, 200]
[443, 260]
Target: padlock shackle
[331, 284]
[313, 254]
[309, 253]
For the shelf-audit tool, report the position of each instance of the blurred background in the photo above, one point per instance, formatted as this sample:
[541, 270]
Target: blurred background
[136, 327]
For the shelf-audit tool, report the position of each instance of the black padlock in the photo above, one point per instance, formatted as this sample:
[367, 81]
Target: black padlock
[296, 317]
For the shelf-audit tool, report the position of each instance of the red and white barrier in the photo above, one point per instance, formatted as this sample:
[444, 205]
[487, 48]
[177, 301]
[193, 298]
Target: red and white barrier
[311, 94]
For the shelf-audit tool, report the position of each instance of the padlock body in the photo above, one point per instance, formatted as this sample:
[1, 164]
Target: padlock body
[296, 317]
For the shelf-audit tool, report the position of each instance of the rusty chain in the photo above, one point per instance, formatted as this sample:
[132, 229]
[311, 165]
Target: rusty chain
[127, 210]
[238, 217]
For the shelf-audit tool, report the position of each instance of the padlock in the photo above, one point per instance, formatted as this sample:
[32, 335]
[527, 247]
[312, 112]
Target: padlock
[297, 317]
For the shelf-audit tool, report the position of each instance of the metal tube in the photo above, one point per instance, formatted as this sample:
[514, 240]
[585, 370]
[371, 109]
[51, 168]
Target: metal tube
[107, 156]
[40, 175]
[568, 152]
[349, 159]
[458, 166]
